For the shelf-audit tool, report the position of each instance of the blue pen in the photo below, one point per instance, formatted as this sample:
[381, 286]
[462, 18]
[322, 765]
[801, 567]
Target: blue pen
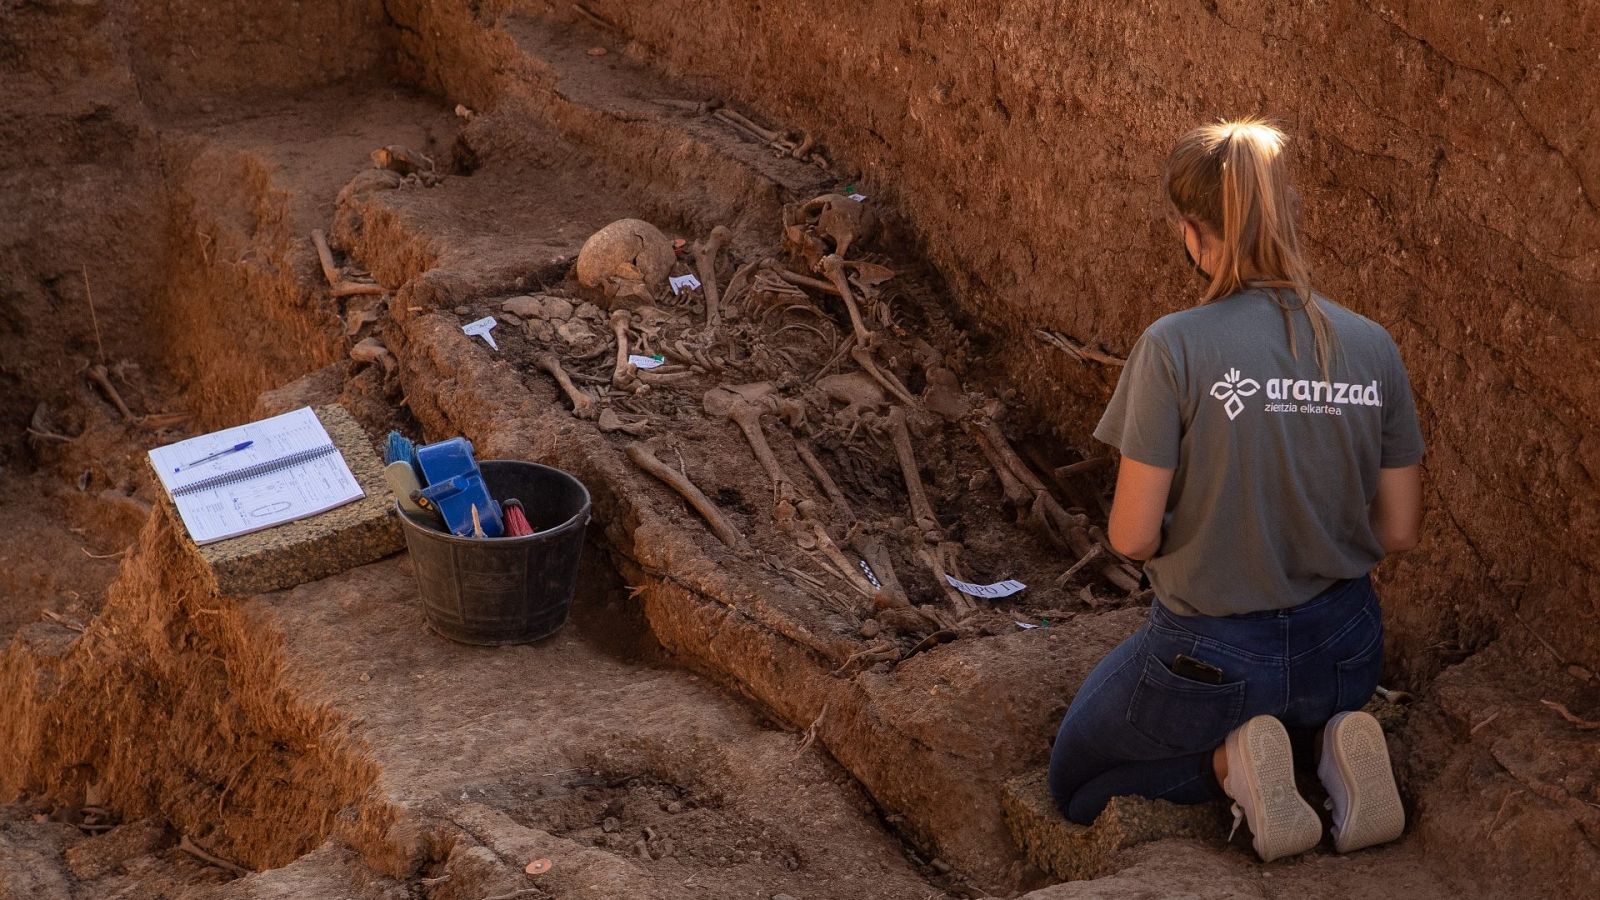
[234, 449]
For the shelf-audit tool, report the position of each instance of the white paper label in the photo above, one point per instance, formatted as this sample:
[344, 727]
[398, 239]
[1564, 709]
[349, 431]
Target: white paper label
[859, 198]
[988, 591]
[481, 328]
[680, 283]
[645, 362]
[1026, 625]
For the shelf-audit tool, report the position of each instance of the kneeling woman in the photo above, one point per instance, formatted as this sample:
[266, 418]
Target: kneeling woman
[1269, 461]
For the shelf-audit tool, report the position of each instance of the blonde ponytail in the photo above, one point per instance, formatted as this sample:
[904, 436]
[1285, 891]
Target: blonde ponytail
[1231, 178]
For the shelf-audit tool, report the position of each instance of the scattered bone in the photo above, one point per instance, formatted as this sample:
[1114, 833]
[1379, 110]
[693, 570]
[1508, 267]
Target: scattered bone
[188, 846]
[1094, 553]
[833, 267]
[698, 107]
[583, 405]
[851, 574]
[325, 256]
[921, 510]
[611, 423]
[883, 651]
[944, 396]
[773, 267]
[739, 282]
[371, 350]
[739, 121]
[877, 558]
[401, 160]
[646, 460]
[803, 149]
[705, 262]
[1078, 351]
[863, 358]
[829, 486]
[626, 252]
[622, 376]
[1015, 492]
[1091, 464]
[356, 289]
[931, 558]
[101, 376]
[732, 404]
[841, 220]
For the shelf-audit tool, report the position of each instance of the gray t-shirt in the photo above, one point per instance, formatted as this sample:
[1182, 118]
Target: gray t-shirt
[1275, 467]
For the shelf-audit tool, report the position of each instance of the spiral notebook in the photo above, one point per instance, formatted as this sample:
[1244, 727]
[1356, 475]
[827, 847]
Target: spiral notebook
[255, 476]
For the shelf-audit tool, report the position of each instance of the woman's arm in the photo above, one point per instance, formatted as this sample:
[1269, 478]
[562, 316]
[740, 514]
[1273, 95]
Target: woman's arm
[1396, 512]
[1137, 509]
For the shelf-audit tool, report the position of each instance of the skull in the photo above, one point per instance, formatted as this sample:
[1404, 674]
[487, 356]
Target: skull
[629, 257]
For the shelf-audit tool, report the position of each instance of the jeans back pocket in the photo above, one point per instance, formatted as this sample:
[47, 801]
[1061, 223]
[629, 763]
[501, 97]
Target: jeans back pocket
[1357, 676]
[1180, 714]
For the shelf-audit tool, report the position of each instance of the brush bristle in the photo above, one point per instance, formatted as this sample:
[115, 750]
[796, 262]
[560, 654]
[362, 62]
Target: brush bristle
[399, 449]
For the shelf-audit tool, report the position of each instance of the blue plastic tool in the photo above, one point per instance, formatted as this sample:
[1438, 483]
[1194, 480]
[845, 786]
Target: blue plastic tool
[455, 486]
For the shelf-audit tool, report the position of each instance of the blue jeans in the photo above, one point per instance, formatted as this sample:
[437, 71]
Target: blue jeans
[1135, 727]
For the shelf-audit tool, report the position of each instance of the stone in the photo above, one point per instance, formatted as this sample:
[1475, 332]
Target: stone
[524, 306]
[557, 309]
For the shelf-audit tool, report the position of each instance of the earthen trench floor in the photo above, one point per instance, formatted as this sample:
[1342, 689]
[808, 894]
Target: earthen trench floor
[687, 734]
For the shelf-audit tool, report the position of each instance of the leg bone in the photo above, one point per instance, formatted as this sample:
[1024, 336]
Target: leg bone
[705, 261]
[921, 509]
[646, 460]
[583, 405]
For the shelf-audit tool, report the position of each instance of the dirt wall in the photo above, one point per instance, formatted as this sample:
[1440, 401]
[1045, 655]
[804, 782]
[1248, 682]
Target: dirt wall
[1439, 153]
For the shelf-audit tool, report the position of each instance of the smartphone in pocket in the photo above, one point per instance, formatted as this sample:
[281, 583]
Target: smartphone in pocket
[1186, 666]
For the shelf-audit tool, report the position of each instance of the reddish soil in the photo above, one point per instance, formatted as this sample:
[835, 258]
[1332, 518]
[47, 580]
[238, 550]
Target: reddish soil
[736, 721]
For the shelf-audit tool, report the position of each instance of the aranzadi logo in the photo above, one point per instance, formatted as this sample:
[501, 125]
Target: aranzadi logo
[1314, 397]
[1230, 389]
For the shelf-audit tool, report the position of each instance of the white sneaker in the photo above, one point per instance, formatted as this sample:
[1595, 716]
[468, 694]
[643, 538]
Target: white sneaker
[1261, 782]
[1361, 790]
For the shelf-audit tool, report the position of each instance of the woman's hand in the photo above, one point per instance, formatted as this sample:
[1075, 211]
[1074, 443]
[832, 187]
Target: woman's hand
[1137, 509]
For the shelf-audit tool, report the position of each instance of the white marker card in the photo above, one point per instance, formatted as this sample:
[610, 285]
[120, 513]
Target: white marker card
[680, 283]
[646, 362]
[988, 591]
[859, 198]
[1026, 625]
[481, 328]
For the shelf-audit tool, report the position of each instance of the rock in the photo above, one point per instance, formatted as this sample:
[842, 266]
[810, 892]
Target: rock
[870, 628]
[557, 309]
[610, 824]
[590, 311]
[674, 807]
[641, 849]
[575, 332]
[463, 310]
[524, 306]
[511, 319]
[369, 350]
[540, 330]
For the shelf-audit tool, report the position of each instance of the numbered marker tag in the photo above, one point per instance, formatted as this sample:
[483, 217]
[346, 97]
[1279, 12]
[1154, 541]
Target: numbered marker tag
[646, 362]
[859, 198]
[987, 591]
[481, 328]
[1026, 625]
[681, 283]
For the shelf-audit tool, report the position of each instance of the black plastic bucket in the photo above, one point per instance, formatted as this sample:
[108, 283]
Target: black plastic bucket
[508, 590]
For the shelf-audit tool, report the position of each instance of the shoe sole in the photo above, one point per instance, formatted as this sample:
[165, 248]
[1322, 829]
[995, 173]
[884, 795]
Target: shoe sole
[1287, 824]
[1356, 756]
